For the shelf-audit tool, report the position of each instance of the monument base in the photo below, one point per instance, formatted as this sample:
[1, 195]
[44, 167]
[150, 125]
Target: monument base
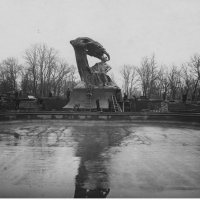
[79, 96]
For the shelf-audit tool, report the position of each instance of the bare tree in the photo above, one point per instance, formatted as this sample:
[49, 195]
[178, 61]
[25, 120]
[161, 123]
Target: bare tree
[26, 82]
[47, 57]
[186, 80]
[174, 81]
[71, 80]
[130, 79]
[59, 72]
[148, 75]
[46, 68]
[10, 71]
[195, 69]
[162, 82]
[51, 60]
[31, 58]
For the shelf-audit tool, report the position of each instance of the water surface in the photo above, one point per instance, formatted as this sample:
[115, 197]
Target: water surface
[99, 159]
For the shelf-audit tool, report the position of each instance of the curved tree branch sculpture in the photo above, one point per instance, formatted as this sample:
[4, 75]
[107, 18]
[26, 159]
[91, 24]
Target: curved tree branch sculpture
[95, 75]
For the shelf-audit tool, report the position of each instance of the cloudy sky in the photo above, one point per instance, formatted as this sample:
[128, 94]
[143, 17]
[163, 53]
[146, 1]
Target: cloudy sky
[128, 29]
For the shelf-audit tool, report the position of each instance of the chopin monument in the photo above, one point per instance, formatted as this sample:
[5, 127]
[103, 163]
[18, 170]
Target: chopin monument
[94, 80]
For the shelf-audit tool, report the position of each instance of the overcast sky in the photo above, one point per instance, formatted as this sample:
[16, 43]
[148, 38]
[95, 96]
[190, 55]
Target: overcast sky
[128, 29]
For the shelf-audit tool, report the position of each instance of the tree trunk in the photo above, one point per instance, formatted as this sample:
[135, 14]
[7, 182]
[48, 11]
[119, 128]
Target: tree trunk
[194, 92]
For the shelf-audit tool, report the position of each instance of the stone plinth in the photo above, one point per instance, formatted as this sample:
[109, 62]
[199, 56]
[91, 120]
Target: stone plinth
[79, 97]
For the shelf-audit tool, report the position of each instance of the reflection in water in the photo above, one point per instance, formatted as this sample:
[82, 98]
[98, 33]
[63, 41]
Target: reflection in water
[41, 154]
[92, 180]
[96, 193]
[62, 159]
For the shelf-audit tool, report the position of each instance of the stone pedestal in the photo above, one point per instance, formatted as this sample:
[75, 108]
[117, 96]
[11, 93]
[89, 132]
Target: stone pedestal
[78, 96]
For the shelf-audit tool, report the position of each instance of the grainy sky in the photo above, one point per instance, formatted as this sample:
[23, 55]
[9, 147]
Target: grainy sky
[128, 29]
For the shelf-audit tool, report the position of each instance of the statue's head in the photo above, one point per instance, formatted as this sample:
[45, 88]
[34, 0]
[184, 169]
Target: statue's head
[92, 48]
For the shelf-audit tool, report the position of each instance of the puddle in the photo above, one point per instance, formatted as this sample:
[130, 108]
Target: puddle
[61, 159]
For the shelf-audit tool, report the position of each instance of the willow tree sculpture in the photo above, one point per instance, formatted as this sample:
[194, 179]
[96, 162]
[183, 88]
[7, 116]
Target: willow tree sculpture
[95, 75]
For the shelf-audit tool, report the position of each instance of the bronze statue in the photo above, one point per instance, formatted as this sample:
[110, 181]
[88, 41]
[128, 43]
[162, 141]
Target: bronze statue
[96, 75]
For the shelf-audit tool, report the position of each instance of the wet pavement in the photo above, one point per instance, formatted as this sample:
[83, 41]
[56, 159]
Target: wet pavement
[99, 159]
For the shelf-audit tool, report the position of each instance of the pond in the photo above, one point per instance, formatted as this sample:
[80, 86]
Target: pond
[98, 159]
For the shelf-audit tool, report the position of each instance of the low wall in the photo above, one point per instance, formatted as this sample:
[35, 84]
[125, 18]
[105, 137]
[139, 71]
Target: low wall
[182, 106]
[54, 104]
[137, 106]
[145, 104]
[132, 117]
